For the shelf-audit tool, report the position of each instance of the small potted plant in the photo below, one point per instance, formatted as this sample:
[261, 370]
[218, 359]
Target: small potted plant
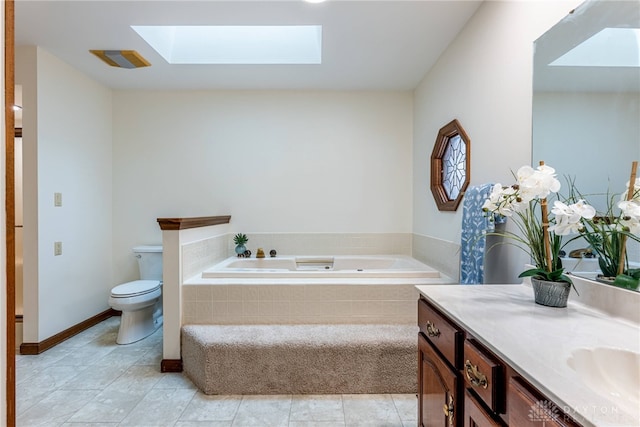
[240, 240]
[538, 235]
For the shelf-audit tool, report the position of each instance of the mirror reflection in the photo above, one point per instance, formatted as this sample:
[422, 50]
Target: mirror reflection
[586, 102]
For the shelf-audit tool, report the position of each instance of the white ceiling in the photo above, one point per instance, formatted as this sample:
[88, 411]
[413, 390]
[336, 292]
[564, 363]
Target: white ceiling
[367, 45]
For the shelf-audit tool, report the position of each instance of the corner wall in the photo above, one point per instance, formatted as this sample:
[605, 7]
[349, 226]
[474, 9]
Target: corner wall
[484, 79]
[66, 149]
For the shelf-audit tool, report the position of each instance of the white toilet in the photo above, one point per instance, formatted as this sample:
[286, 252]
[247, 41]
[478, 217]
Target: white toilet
[140, 301]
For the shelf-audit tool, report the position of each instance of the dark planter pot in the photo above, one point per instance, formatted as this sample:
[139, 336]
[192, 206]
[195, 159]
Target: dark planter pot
[605, 279]
[551, 294]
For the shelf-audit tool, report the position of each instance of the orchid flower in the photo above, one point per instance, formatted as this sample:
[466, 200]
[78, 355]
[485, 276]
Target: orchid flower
[568, 217]
[630, 217]
[537, 183]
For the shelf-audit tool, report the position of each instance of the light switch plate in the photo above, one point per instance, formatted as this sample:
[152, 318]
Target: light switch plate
[57, 248]
[57, 199]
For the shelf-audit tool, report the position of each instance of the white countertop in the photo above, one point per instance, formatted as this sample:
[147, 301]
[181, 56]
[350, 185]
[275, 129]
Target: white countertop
[537, 341]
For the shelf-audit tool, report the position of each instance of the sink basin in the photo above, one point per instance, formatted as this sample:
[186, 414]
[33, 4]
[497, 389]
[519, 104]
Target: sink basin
[610, 372]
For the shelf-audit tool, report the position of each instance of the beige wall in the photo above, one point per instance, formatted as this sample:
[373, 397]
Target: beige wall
[276, 161]
[484, 79]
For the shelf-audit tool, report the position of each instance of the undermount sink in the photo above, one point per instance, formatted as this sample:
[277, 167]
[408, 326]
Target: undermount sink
[611, 372]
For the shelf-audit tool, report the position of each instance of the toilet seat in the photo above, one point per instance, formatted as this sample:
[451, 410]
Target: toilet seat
[135, 288]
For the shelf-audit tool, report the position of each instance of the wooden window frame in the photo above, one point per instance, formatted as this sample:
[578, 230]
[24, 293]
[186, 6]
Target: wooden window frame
[446, 133]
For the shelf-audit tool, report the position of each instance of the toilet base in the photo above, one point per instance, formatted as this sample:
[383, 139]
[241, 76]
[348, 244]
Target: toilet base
[138, 324]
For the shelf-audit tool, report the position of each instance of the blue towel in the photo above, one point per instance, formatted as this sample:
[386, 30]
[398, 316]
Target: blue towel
[475, 223]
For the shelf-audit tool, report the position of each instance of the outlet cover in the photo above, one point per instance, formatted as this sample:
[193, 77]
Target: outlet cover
[57, 248]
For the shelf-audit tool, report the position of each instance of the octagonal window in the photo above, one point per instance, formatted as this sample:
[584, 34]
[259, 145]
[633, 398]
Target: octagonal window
[450, 166]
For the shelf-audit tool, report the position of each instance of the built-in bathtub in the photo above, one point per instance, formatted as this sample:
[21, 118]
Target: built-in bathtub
[372, 289]
[322, 267]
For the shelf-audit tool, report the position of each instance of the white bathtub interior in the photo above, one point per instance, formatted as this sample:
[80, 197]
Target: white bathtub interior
[339, 266]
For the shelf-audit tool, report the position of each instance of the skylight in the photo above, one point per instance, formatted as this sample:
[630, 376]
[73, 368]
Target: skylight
[293, 44]
[611, 47]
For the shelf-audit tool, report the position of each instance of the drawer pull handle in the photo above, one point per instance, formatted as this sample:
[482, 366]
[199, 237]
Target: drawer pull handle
[474, 375]
[432, 331]
[449, 410]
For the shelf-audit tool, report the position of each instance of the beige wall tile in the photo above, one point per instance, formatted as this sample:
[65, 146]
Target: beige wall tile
[220, 293]
[234, 309]
[235, 292]
[203, 311]
[190, 292]
[203, 293]
[250, 308]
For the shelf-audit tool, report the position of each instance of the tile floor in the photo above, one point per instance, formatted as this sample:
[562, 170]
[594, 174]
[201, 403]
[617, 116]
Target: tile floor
[88, 380]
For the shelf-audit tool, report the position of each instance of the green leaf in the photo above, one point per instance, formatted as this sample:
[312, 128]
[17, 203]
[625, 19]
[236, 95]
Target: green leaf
[533, 272]
[626, 281]
[634, 272]
[240, 239]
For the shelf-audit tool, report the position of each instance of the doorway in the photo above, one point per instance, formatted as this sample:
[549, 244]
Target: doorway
[19, 311]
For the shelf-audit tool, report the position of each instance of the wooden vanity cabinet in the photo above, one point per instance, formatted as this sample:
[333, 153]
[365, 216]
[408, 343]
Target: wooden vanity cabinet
[438, 388]
[462, 383]
[529, 408]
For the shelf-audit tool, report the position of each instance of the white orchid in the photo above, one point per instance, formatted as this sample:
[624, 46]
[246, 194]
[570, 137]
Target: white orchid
[504, 200]
[491, 204]
[537, 183]
[568, 217]
[519, 202]
[636, 191]
[630, 217]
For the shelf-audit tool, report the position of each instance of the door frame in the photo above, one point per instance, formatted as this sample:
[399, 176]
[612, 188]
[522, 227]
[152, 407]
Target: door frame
[9, 99]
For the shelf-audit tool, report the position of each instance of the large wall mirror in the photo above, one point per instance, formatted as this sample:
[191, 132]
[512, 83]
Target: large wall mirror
[586, 98]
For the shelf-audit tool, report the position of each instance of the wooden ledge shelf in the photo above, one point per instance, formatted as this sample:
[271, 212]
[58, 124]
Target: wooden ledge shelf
[195, 222]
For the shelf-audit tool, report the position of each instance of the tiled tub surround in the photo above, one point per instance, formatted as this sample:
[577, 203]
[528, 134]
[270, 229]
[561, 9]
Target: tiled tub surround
[199, 255]
[310, 298]
[313, 301]
[323, 298]
[329, 243]
[202, 254]
[191, 299]
[537, 341]
[442, 255]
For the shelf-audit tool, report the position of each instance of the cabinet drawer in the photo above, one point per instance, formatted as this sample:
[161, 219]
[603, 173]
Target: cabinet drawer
[475, 415]
[484, 374]
[443, 334]
[527, 407]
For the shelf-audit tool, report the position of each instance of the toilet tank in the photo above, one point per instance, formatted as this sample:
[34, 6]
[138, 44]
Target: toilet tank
[149, 261]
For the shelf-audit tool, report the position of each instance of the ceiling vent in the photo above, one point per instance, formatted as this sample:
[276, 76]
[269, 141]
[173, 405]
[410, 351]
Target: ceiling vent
[121, 58]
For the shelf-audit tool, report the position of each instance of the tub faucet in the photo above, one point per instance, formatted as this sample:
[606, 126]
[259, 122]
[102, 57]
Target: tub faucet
[260, 253]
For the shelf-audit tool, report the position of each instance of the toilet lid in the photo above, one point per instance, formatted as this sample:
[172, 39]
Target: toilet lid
[137, 287]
